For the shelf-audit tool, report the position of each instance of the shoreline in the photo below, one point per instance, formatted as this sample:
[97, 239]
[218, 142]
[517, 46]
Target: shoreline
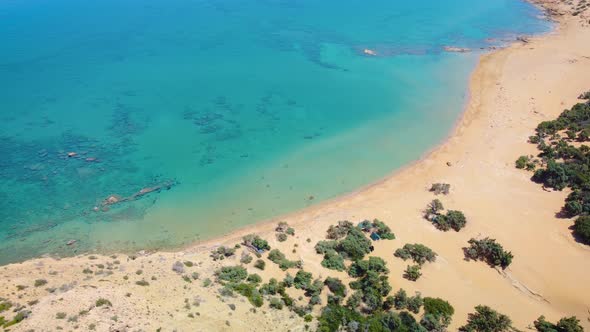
[510, 91]
[429, 154]
[457, 122]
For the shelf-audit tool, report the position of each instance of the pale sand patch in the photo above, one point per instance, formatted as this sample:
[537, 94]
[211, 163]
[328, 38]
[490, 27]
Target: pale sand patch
[512, 90]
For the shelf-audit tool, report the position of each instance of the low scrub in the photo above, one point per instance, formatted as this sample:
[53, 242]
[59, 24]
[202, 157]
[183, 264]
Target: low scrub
[490, 251]
[419, 253]
[277, 257]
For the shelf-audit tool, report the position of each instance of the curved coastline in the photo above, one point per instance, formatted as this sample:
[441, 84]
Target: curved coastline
[460, 123]
[483, 181]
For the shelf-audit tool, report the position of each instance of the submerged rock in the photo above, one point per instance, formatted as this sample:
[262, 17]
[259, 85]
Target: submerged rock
[457, 49]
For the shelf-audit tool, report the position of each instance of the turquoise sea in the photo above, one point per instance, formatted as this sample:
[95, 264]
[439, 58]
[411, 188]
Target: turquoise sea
[235, 111]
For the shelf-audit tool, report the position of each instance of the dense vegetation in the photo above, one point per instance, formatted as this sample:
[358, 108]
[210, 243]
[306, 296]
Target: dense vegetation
[564, 160]
[567, 324]
[419, 253]
[367, 304]
[368, 307]
[437, 314]
[490, 251]
[582, 229]
[486, 319]
[349, 242]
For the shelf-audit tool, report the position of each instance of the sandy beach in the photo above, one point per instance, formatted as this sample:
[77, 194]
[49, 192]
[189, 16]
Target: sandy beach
[511, 91]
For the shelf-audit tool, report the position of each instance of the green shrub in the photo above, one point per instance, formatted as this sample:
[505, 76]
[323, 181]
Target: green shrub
[434, 323]
[334, 317]
[490, 251]
[276, 303]
[220, 253]
[250, 292]
[281, 237]
[282, 227]
[232, 274]
[434, 208]
[339, 231]
[142, 283]
[256, 242]
[19, 317]
[277, 257]
[5, 305]
[485, 319]
[289, 280]
[378, 227]
[582, 229]
[400, 300]
[314, 289]
[260, 264]
[419, 253]
[273, 287]
[225, 291]
[323, 247]
[452, 220]
[246, 259]
[412, 272]
[354, 300]
[335, 286]
[337, 318]
[440, 188]
[40, 282]
[333, 261]
[287, 299]
[566, 324]
[315, 300]
[438, 307]
[360, 268]
[521, 162]
[302, 280]
[103, 302]
[415, 303]
[355, 245]
[373, 287]
[254, 278]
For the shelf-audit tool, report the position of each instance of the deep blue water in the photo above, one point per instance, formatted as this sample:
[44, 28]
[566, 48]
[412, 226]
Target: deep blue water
[237, 110]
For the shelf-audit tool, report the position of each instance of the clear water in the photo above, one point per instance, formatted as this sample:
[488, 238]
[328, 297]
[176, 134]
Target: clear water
[238, 110]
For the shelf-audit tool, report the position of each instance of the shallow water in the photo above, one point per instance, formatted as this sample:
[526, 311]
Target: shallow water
[237, 111]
